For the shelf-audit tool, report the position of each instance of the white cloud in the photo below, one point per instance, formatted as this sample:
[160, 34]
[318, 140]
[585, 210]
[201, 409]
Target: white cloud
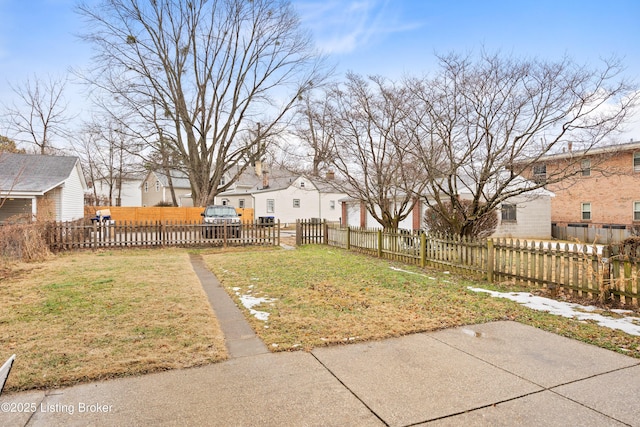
[343, 27]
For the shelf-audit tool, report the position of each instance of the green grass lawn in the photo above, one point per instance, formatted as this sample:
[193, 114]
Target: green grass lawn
[86, 316]
[320, 295]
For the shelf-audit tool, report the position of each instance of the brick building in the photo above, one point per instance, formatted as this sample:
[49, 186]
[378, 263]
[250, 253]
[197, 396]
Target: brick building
[602, 189]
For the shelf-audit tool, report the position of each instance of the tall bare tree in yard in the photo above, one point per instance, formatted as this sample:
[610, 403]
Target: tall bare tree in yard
[484, 123]
[314, 131]
[372, 143]
[39, 115]
[213, 69]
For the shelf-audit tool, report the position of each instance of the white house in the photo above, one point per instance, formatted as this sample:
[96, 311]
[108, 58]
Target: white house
[527, 216]
[43, 187]
[129, 195]
[283, 195]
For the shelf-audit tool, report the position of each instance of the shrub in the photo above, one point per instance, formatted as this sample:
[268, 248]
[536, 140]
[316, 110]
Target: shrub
[23, 241]
[451, 220]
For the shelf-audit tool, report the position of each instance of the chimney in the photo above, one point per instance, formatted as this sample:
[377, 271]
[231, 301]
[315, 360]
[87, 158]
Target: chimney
[265, 179]
[258, 166]
[330, 175]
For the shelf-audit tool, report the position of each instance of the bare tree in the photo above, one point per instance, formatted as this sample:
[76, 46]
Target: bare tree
[313, 130]
[484, 124]
[40, 113]
[212, 69]
[371, 147]
[107, 157]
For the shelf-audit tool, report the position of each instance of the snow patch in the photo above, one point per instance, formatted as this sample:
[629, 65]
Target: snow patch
[250, 301]
[629, 324]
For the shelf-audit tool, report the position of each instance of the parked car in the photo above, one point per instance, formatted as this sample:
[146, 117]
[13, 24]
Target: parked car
[221, 221]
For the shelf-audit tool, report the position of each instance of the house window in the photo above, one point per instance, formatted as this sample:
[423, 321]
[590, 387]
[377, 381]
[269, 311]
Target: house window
[508, 212]
[540, 169]
[271, 205]
[586, 167]
[225, 202]
[296, 203]
[636, 211]
[157, 185]
[539, 172]
[636, 162]
[301, 184]
[146, 187]
[332, 205]
[241, 203]
[586, 211]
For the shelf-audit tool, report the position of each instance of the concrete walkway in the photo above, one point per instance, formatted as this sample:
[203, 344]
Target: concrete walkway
[240, 338]
[501, 373]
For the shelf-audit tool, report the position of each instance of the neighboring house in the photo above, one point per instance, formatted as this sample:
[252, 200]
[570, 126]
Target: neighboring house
[283, 195]
[42, 187]
[527, 216]
[130, 194]
[154, 189]
[603, 193]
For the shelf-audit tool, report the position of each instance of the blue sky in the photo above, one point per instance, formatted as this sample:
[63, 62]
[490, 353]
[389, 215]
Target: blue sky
[386, 37]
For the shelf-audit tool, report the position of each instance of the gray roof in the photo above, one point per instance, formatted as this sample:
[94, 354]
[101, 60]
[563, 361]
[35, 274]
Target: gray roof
[614, 148]
[279, 179]
[178, 178]
[33, 172]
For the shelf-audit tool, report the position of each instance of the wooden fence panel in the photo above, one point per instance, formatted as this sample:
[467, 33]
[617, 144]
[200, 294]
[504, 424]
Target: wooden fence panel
[139, 214]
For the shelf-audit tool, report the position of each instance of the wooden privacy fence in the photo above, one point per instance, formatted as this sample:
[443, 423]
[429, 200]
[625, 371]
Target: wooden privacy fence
[156, 213]
[576, 268]
[113, 234]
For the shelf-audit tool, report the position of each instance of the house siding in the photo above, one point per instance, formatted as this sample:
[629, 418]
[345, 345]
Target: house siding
[130, 196]
[533, 219]
[70, 198]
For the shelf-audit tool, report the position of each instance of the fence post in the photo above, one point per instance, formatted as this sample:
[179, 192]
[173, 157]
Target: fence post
[490, 260]
[94, 236]
[298, 233]
[423, 250]
[325, 232]
[278, 233]
[379, 243]
[348, 237]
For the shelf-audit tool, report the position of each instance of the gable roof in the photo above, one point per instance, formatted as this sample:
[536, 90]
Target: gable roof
[178, 178]
[34, 173]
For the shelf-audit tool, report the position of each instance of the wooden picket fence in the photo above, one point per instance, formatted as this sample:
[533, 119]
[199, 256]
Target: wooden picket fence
[582, 270]
[117, 234]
